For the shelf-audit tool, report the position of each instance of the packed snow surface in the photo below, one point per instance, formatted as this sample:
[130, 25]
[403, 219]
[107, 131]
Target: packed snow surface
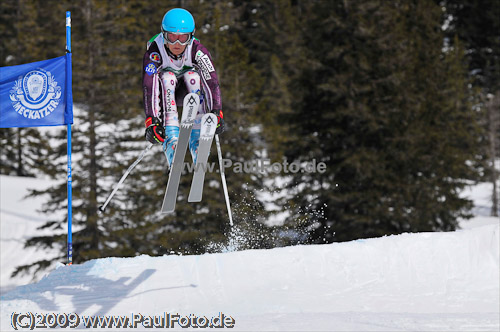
[410, 282]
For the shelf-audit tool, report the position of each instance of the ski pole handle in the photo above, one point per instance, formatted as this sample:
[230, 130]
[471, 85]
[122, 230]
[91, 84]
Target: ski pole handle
[102, 208]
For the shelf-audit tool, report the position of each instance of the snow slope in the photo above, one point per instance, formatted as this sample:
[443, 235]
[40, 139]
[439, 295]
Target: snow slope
[19, 220]
[410, 282]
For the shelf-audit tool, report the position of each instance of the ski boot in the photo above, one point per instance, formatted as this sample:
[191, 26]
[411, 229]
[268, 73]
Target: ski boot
[171, 137]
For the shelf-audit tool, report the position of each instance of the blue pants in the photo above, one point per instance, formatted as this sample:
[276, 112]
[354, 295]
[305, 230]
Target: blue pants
[171, 137]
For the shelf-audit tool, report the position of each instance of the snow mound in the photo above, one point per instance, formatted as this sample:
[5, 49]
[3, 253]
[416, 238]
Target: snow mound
[426, 281]
[20, 220]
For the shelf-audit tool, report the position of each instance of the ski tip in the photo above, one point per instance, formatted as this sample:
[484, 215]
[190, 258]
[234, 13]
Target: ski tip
[101, 209]
[194, 197]
[167, 208]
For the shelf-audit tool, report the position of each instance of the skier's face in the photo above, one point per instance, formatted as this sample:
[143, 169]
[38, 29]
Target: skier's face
[176, 48]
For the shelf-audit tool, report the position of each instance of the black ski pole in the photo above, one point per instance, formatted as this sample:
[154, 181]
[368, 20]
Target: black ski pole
[131, 167]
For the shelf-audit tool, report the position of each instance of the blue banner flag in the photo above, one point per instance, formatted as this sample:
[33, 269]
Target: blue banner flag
[36, 94]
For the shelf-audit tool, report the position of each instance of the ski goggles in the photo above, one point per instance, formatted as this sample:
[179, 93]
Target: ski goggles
[181, 38]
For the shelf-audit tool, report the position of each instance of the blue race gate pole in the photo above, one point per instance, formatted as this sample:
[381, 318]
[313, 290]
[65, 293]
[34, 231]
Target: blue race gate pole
[70, 182]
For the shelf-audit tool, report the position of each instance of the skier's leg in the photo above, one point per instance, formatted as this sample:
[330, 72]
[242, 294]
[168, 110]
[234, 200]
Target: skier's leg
[192, 80]
[171, 118]
[194, 141]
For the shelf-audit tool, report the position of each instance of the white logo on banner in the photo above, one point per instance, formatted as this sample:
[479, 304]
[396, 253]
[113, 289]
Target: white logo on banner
[36, 94]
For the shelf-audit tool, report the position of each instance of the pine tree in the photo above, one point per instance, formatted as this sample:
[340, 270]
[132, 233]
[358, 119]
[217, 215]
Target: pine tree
[109, 134]
[196, 225]
[475, 25]
[107, 95]
[271, 32]
[378, 117]
[23, 150]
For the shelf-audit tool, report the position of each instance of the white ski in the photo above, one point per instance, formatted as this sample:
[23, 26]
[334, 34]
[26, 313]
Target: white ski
[208, 126]
[190, 108]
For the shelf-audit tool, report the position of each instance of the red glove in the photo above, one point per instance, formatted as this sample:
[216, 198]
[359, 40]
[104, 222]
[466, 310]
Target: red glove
[220, 121]
[155, 133]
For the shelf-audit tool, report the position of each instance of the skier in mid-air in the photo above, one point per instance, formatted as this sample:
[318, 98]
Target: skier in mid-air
[175, 64]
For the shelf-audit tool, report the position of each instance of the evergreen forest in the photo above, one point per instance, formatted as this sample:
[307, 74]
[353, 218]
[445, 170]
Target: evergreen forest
[398, 100]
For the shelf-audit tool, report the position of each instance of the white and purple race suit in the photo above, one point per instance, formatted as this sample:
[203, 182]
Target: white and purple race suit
[162, 76]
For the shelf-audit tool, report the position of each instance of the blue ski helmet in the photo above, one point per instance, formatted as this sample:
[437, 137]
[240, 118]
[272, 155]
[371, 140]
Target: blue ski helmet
[178, 20]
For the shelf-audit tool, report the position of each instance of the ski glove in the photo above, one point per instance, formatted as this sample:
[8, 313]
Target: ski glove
[155, 133]
[220, 122]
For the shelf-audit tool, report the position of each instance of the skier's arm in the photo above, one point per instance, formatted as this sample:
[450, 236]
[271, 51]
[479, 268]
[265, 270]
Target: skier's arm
[150, 64]
[155, 132]
[203, 61]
